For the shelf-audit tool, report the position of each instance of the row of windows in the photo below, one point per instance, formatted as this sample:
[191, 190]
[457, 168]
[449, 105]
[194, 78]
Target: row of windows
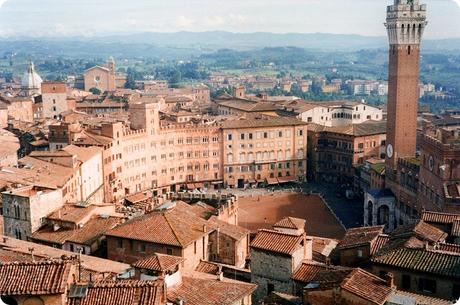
[264, 135]
[252, 168]
[264, 156]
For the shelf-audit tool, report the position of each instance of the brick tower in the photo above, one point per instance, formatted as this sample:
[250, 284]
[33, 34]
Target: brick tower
[406, 21]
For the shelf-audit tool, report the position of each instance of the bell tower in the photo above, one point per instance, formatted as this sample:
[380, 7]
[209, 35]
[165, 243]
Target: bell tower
[405, 23]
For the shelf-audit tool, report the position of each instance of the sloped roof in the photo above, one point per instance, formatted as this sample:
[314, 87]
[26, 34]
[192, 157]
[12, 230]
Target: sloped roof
[202, 291]
[367, 286]
[86, 235]
[438, 217]
[207, 267]
[123, 292]
[34, 278]
[159, 262]
[248, 106]
[291, 223]
[277, 242]
[421, 230]
[177, 226]
[308, 270]
[233, 231]
[360, 236]
[422, 260]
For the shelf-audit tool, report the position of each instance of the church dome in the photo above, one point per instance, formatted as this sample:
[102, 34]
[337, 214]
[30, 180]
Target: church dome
[31, 80]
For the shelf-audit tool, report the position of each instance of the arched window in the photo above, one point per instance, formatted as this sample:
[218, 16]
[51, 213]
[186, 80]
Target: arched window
[250, 157]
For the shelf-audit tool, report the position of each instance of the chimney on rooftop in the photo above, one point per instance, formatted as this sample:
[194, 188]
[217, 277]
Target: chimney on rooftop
[220, 274]
[389, 278]
[205, 229]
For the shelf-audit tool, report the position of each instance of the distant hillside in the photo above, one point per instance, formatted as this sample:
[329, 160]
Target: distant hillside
[185, 44]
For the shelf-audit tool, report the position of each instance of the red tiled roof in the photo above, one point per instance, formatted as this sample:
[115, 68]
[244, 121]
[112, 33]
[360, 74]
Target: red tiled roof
[233, 231]
[421, 260]
[86, 235]
[126, 292]
[290, 223]
[278, 242]
[360, 236]
[444, 247]
[437, 217]
[455, 228]
[307, 271]
[367, 286]
[177, 226]
[421, 230]
[200, 291]
[159, 262]
[310, 271]
[207, 267]
[378, 243]
[34, 278]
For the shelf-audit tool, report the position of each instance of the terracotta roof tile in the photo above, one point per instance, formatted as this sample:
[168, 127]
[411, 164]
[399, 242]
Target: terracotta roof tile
[85, 235]
[421, 230]
[360, 236]
[455, 228]
[444, 247]
[34, 278]
[71, 213]
[278, 242]
[91, 264]
[421, 260]
[207, 267]
[437, 217]
[307, 271]
[233, 231]
[379, 242]
[159, 262]
[125, 292]
[199, 291]
[291, 223]
[367, 286]
[177, 226]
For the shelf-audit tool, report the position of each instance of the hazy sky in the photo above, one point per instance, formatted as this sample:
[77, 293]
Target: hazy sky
[104, 17]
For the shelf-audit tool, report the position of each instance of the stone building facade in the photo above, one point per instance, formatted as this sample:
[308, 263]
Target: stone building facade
[54, 99]
[25, 208]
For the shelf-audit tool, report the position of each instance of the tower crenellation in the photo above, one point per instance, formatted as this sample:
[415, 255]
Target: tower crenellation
[406, 22]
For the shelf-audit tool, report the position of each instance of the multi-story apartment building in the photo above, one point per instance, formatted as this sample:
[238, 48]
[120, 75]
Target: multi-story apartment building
[172, 154]
[264, 149]
[335, 151]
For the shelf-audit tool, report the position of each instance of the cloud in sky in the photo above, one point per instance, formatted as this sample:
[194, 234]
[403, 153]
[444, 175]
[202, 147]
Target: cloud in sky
[105, 17]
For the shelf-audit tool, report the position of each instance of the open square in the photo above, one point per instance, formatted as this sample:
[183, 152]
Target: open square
[261, 212]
